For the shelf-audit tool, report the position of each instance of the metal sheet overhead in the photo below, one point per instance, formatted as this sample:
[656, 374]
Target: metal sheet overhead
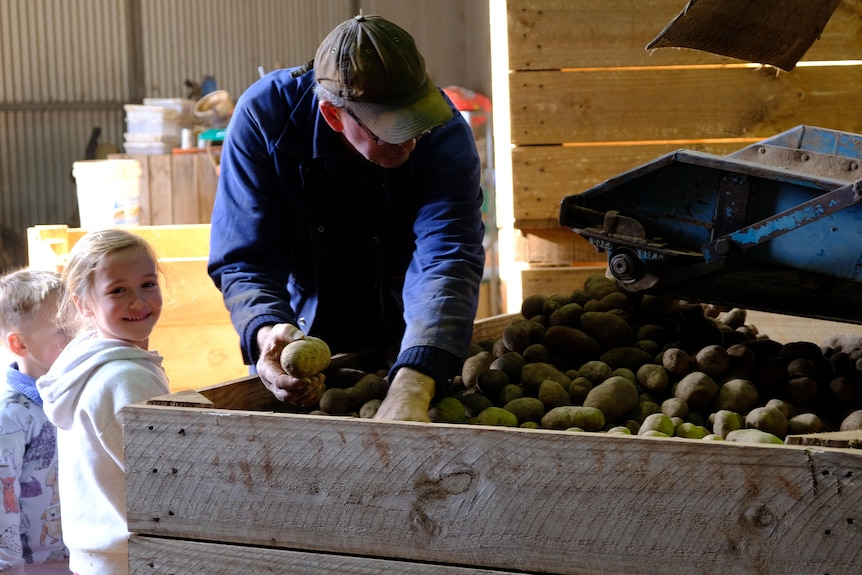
[776, 32]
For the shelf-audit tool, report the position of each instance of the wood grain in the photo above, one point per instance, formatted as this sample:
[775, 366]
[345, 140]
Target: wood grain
[553, 34]
[492, 498]
[156, 556]
[553, 107]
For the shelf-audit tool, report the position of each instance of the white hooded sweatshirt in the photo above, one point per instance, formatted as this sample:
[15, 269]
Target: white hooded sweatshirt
[83, 393]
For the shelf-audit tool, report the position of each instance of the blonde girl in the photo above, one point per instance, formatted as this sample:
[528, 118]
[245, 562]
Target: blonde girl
[113, 301]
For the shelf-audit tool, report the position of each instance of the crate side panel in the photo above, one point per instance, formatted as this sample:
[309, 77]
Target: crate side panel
[577, 33]
[158, 556]
[554, 107]
[491, 497]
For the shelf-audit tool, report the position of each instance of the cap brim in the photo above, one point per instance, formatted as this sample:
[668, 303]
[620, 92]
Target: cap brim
[398, 121]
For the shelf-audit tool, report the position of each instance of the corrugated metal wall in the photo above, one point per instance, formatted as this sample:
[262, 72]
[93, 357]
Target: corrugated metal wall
[69, 66]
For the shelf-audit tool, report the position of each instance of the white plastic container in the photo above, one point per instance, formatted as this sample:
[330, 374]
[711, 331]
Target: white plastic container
[108, 192]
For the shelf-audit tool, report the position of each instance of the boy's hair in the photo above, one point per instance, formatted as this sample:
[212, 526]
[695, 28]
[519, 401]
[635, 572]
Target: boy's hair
[81, 265]
[22, 293]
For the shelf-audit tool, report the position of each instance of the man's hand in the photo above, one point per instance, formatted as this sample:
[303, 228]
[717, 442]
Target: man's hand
[271, 340]
[409, 397]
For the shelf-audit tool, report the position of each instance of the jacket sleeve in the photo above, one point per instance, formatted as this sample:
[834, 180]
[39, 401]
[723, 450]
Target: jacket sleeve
[243, 262]
[441, 290]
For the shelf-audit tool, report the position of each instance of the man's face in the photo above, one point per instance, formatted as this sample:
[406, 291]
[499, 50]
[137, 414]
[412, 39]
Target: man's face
[364, 141]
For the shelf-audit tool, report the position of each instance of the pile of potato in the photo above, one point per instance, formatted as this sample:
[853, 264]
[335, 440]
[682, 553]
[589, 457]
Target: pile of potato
[605, 360]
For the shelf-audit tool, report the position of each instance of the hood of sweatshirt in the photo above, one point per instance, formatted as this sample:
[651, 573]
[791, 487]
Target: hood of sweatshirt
[61, 387]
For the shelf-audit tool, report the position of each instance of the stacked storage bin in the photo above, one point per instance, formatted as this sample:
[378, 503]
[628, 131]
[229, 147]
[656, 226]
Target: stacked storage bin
[155, 127]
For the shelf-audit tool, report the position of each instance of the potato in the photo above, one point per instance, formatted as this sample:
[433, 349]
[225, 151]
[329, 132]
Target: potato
[534, 374]
[677, 361]
[448, 410]
[690, 431]
[474, 366]
[609, 329]
[532, 305]
[752, 436]
[568, 314]
[697, 389]
[674, 407]
[571, 343]
[335, 401]
[552, 394]
[644, 409]
[738, 395]
[516, 336]
[496, 416]
[493, 381]
[568, 416]
[630, 358]
[595, 371]
[511, 363]
[712, 360]
[474, 403]
[578, 390]
[371, 386]
[536, 353]
[509, 393]
[801, 391]
[769, 419]
[852, 421]
[657, 422]
[553, 302]
[724, 421]
[369, 410]
[615, 397]
[526, 409]
[653, 378]
[305, 357]
[598, 286]
[804, 423]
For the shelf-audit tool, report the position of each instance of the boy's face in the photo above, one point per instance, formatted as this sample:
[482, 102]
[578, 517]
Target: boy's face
[43, 341]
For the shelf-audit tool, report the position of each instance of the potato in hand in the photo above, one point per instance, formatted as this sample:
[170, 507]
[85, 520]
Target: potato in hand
[305, 357]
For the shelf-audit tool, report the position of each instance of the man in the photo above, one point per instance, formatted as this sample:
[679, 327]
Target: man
[349, 208]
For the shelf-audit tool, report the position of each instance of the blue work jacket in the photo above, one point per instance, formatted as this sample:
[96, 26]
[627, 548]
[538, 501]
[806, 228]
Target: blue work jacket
[286, 217]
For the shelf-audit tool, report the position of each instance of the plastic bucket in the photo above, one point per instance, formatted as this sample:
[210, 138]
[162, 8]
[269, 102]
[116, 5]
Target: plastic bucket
[108, 192]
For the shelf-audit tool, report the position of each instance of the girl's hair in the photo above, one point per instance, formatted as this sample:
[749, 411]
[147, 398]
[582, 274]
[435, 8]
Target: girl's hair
[22, 294]
[81, 265]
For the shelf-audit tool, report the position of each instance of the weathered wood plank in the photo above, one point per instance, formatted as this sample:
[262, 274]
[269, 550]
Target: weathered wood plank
[496, 498]
[543, 175]
[553, 34]
[638, 105]
[554, 246]
[198, 354]
[547, 281]
[185, 186]
[156, 556]
[160, 189]
[849, 439]
[207, 184]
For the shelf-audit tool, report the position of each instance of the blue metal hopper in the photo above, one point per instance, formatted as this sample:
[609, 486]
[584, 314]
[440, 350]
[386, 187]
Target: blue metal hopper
[775, 226]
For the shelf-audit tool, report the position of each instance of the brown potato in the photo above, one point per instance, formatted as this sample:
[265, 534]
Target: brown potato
[615, 397]
[697, 389]
[305, 357]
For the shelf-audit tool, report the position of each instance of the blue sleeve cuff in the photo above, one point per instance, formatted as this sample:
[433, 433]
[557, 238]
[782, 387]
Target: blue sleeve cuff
[432, 361]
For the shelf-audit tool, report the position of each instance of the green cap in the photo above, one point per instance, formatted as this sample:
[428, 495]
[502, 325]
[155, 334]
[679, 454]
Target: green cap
[375, 66]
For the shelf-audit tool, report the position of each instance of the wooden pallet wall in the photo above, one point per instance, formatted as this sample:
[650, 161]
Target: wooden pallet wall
[588, 102]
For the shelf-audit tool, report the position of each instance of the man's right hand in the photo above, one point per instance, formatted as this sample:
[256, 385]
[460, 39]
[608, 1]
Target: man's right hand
[271, 340]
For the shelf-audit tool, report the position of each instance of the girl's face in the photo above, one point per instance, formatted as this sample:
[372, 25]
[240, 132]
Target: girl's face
[125, 299]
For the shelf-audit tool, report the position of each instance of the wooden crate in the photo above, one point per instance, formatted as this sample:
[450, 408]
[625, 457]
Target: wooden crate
[194, 334]
[176, 188]
[219, 482]
[589, 102]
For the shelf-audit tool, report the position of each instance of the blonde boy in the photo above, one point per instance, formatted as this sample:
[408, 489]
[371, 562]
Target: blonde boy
[30, 513]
